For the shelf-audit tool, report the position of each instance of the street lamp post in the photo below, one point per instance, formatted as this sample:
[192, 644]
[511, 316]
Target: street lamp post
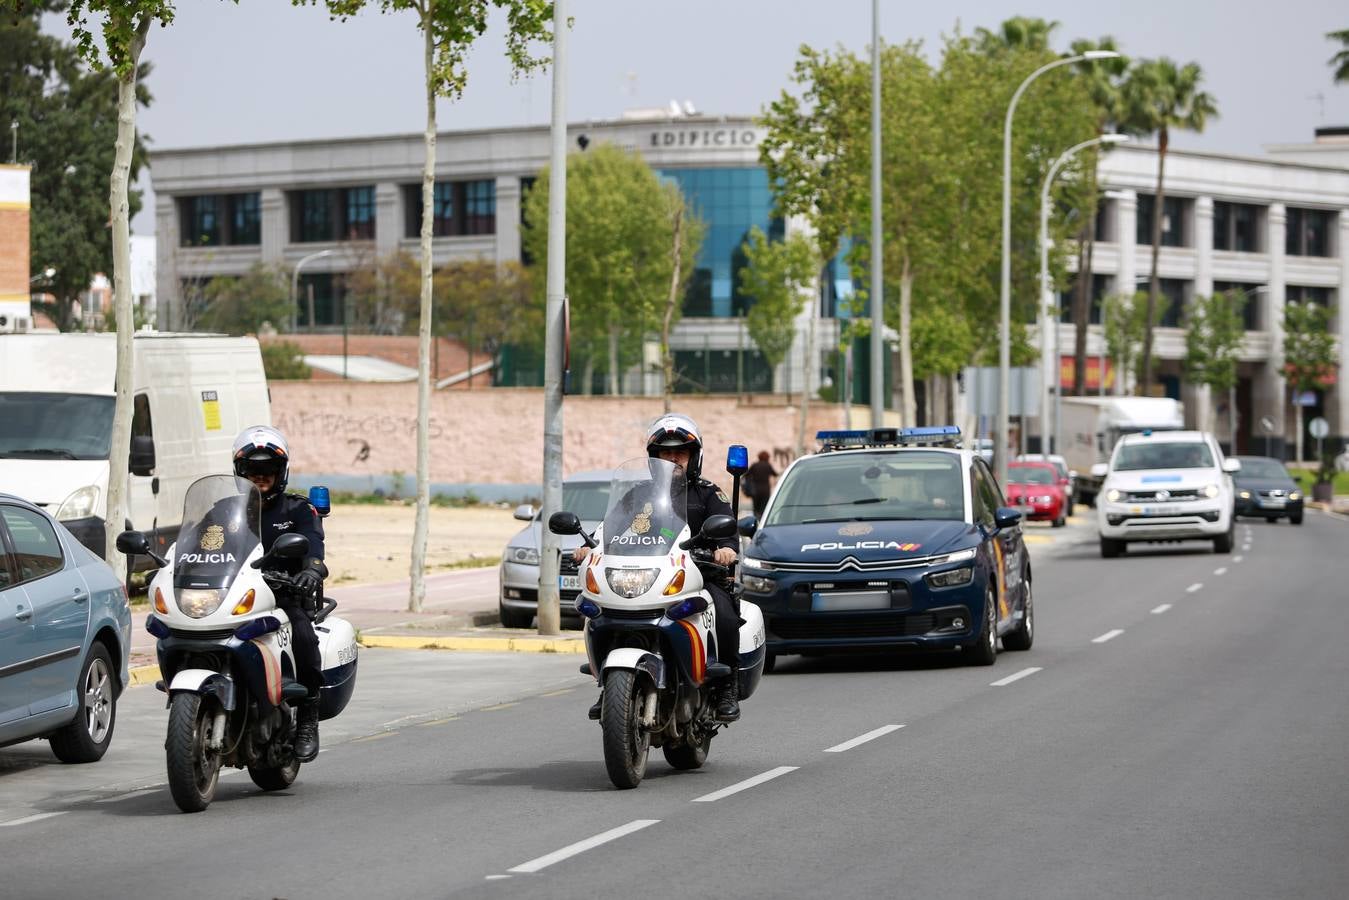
[295, 285]
[1005, 297]
[1049, 445]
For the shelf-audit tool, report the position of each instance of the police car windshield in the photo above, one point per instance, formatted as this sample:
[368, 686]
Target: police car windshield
[1171, 455]
[648, 503]
[221, 521]
[913, 484]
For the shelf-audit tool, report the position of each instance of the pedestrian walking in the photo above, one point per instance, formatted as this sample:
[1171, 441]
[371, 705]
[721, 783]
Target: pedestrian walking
[758, 483]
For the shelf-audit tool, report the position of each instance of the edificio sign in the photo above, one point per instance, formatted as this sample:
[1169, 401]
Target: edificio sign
[705, 137]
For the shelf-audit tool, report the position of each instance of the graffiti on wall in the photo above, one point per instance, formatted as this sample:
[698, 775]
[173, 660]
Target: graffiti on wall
[311, 424]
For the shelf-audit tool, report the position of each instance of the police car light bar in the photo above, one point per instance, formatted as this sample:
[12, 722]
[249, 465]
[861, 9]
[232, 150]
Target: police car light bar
[932, 435]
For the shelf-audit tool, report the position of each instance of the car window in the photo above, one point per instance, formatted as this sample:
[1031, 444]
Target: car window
[983, 512]
[589, 500]
[1168, 455]
[988, 486]
[914, 484]
[1030, 475]
[36, 547]
[1261, 467]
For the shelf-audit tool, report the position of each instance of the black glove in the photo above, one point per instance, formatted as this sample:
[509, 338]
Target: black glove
[308, 582]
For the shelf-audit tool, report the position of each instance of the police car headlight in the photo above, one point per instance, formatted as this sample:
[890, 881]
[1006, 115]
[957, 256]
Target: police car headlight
[1292, 495]
[199, 603]
[759, 585]
[630, 583]
[750, 562]
[1113, 495]
[79, 504]
[525, 556]
[1246, 495]
[1210, 491]
[961, 555]
[951, 577]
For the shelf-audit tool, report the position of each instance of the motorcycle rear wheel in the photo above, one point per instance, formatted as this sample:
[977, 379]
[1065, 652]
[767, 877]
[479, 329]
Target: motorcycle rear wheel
[275, 778]
[688, 755]
[626, 743]
[194, 770]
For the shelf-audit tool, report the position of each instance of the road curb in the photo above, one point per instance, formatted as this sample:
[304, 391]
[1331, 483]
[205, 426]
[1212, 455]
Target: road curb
[483, 644]
[145, 674]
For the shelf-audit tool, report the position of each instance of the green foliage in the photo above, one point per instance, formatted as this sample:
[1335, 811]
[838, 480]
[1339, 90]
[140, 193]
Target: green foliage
[1340, 61]
[241, 304]
[67, 129]
[1016, 33]
[1125, 318]
[283, 361]
[383, 294]
[486, 306]
[125, 25]
[1214, 335]
[779, 276]
[1310, 357]
[620, 238]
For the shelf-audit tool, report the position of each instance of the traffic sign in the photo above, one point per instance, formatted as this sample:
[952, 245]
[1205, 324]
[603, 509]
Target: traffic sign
[1318, 428]
[1267, 425]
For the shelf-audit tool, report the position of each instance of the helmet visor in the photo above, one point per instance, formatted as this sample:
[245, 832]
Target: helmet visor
[270, 466]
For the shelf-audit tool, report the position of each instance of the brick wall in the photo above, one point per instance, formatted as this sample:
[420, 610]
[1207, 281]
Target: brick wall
[400, 349]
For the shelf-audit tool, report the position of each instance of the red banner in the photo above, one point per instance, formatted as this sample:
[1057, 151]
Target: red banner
[1092, 384]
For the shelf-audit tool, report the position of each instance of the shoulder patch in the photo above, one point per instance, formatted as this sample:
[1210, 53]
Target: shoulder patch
[721, 495]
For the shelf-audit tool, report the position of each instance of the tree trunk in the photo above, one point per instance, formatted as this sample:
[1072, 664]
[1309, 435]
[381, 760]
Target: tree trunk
[909, 413]
[417, 592]
[119, 454]
[1081, 313]
[1297, 425]
[588, 377]
[613, 360]
[666, 357]
[1155, 285]
[805, 388]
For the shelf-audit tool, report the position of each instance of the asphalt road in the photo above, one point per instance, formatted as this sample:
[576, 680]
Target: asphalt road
[1178, 730]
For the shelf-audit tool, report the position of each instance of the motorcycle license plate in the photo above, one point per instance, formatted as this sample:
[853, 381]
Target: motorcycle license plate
[569, 582]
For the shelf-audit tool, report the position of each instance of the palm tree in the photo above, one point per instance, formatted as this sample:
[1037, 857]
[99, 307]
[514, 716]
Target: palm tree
[1018, 32]
[1159, 95]
[1340, 61]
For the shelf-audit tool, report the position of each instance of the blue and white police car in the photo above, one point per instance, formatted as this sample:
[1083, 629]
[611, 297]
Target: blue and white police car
[890, 538]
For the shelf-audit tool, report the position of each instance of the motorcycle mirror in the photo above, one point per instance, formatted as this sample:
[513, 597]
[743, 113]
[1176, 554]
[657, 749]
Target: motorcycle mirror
[718, 527]
[737, 459]
[133, 542]
[290, 546]
[564, 523]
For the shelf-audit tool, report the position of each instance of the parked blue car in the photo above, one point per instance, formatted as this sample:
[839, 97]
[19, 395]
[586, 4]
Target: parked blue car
[65, 636]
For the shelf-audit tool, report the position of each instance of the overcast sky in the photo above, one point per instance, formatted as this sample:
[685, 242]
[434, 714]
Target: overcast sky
[264, 71]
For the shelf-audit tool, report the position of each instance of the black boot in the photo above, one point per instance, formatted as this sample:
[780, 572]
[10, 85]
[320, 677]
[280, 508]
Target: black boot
[594, 713]
[727, 704]
[307, 731]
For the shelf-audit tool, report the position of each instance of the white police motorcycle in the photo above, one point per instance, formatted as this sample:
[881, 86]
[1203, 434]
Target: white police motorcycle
[225, 647]
[650, 630]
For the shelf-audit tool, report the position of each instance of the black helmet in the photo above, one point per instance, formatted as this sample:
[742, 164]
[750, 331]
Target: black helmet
[262, 450]
[673, 432]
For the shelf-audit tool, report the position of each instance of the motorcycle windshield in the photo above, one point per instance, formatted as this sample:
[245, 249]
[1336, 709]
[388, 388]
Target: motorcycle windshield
[648, 503]
[221, 526]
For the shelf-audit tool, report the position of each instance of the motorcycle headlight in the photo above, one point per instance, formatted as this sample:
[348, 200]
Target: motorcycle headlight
[1293, 495]
[525, 556]
[1113, 495]
[630, 583]
[1210, 491]
[79, 504]
[199, 603]
[952, 577]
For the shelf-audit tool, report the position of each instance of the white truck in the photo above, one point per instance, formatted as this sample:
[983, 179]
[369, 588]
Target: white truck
[1092, 426]
[191, 395]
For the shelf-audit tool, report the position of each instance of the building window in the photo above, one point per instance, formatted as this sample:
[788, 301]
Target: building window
[1236, 226]
[1175, 231]
[205, 222]
[1176, 291]
[319, 303]
[1308, 232]
[245, 218]
[1100, 287]
[461, 207]
[214, 220]
[314, 216]
[1250, 312]
[1105, 219]
[360, 213]
[1317, 296]
[480, 207]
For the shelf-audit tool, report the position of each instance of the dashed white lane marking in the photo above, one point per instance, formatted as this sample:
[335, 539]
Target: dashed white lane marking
[863, 738]
[745, 785]
[1108, 636]
[590, 843]
[1194, 587]
[497, 877]
[127, 796]
[30, 819]
[1220, 571]
[1236, 559]
[1003, 682]
[1158, 610]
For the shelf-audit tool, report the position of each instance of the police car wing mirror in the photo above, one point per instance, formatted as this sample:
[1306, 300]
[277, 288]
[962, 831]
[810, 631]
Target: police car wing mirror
[1231, 466]
[525, 512]
[135, 542]
[737, 460]
[748, 525]
[1099, 470]
[1006, 517]
[718, 527]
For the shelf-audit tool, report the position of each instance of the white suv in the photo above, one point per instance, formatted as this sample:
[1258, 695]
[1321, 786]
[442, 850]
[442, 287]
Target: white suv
[1165, 486]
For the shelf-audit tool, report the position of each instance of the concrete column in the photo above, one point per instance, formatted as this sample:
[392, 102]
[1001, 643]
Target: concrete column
[508, 219]
[1340, 408]
[1269, 392]
[388, 218]
[275, 226]
[168, 290]
[1124, 283]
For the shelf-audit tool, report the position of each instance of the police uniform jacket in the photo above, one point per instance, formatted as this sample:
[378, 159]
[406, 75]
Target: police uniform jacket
[292, 514]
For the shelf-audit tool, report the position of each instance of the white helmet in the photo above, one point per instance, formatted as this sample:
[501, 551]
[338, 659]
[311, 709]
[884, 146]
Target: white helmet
[261, 449]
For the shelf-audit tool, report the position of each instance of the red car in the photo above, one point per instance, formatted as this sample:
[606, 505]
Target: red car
[1033, 487]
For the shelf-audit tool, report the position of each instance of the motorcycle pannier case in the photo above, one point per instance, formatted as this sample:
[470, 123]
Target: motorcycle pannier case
[338, 650]
[752, 648]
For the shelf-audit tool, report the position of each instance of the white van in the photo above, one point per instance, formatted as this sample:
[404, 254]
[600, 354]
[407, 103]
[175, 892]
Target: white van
[191, 395]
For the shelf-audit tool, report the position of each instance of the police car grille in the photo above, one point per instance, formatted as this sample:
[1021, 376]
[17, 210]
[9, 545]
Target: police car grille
[852, 564]
[1171, 496]
[853, 626]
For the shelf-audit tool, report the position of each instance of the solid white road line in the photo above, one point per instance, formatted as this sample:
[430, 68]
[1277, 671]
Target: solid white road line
[745, 785]
[1194, 587]
[863, 738]
[27, 819]
[1161, 609]
[138, 793]
[1221, 571]
[1003, 682]
[1109, 635]
[589, 843]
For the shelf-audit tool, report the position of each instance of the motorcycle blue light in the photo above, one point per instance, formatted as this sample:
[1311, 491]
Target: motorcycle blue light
[318, 498]
[257, 628]
[588, 608]
[157, 627]
[689, 606]
[737, 457]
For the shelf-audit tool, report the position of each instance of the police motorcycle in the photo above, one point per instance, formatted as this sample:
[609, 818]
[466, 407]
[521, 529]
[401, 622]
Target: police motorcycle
[225, 647]
[650, 626]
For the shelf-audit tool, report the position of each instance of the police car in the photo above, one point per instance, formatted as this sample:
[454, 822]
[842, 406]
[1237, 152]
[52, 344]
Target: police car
[890, 538]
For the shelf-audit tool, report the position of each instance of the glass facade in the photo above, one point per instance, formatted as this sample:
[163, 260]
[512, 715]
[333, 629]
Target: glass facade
[461, 207]
[360, 214]
[314, 216]
[729, 202]
[336, 214]
[1236, 226]
[1175, 230]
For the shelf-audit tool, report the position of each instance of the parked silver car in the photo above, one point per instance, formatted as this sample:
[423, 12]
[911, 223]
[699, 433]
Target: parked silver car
[587, 495]
[65, 636]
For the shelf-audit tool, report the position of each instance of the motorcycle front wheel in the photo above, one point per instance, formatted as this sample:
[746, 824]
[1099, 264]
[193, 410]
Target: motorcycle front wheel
[194, 769]
[626, 743]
